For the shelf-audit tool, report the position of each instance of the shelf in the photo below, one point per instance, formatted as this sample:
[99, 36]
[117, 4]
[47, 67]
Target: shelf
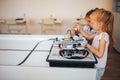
[17, 25]
[50, 21]
[81, 21]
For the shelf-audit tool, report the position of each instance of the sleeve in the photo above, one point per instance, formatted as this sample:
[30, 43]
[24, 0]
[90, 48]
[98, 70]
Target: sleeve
[105, 36]
[86, 29]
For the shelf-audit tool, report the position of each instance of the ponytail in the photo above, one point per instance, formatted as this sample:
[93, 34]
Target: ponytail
[109, 27]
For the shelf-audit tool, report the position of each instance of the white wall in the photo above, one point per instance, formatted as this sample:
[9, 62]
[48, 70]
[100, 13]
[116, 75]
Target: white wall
[63, 9]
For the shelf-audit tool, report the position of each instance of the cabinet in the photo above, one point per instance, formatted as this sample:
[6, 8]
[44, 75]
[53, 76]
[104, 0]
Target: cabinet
[116, 6]
[116, 31]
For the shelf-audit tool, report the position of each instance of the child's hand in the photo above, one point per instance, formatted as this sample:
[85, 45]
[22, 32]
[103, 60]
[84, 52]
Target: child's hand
[72, 32]
[76, 24]
[79, 28]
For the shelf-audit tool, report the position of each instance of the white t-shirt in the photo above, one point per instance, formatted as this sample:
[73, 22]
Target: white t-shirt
[101, 61]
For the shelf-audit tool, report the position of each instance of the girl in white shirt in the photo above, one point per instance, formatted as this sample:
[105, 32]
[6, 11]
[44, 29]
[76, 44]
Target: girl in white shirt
[102, 22]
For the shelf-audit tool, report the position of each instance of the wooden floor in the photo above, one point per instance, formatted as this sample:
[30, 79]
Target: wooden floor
[112, 71]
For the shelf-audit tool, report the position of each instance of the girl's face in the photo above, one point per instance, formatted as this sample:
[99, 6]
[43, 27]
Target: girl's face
[95, 25]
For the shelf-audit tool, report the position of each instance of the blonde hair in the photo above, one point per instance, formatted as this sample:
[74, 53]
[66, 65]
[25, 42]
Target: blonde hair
[107, 18]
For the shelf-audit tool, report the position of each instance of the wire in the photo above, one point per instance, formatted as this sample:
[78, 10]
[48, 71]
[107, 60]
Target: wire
[32, 51]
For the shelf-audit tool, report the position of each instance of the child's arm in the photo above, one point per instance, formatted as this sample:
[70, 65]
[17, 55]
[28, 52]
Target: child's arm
[86, 35]
[98, 52]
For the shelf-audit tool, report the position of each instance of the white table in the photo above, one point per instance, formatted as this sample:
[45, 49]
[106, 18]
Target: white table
[14, 48]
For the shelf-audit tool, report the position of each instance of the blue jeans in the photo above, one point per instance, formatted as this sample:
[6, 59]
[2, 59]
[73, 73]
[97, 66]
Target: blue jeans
[100, 72]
